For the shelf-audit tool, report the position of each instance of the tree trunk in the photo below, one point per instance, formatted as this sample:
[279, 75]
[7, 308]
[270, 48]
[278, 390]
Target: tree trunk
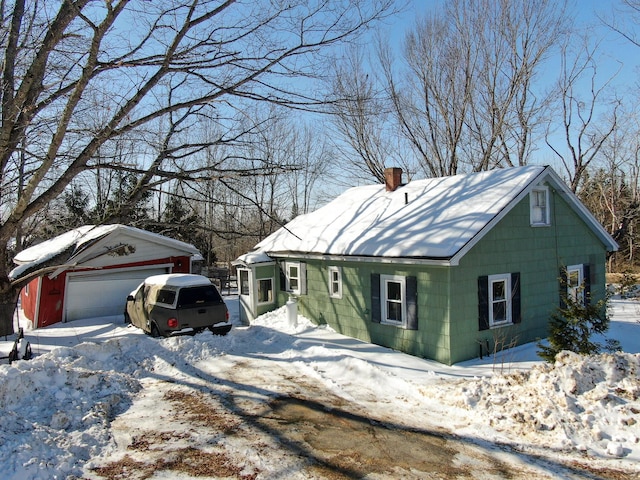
[8, 293]
[8, 302]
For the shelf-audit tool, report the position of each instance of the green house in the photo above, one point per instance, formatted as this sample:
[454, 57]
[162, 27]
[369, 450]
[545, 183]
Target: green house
[447, 268]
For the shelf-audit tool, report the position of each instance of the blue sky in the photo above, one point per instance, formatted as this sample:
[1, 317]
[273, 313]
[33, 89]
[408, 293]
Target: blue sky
[615, 50]
[615, 53]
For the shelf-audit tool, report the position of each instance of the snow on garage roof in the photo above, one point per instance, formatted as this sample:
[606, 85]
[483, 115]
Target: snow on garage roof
[436, 218]
[178, 280]
[55, 246]
[77, 243]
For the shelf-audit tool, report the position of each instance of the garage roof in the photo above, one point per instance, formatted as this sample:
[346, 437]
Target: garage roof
[84, 244]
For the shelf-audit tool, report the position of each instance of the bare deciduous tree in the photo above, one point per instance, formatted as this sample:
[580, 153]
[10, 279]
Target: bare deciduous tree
[625, 20]
[314, 161]
[587, 120]
[361, 117]
[214, 56]
[465, 100]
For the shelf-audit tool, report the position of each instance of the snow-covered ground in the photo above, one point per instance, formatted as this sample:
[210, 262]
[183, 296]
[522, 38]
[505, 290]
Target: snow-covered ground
[69, 410]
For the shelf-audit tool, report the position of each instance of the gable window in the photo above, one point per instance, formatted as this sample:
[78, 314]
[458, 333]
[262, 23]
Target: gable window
[335, 282]
[394, 300]
[295, 277]
[539, 203]
[498, 300]
[265, 290]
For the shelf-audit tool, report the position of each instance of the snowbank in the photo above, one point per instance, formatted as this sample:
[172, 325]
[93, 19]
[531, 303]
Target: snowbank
[57, 409]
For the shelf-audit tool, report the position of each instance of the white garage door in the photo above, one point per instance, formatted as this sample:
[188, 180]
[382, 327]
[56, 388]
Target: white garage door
[102, 294]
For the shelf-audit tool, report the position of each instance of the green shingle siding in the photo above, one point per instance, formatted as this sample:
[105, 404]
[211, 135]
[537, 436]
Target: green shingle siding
[537, 253]
[447, 297]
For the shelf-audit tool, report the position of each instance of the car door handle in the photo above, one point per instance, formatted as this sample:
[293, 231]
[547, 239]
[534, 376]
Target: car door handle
[202, 310]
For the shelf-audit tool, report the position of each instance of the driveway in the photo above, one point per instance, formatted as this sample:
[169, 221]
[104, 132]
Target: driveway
[240, 424]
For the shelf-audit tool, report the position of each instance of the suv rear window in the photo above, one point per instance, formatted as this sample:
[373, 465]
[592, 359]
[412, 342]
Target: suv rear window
[193, 296]
[166, 297]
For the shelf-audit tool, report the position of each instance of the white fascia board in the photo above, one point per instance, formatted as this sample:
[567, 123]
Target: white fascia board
[353, 258]
[583, 212]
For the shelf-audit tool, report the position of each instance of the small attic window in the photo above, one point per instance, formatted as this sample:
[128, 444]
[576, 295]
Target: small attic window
[539, 203]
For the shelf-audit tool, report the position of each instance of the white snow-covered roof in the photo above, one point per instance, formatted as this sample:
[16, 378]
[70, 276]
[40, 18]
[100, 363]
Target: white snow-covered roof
[78, 242]
[178, 280]
[55, 246]
[253, 258]
[436, 218]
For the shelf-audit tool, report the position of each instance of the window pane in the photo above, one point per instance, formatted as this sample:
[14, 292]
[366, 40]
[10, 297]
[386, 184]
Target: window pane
[499, 312]
[166, 296]
[293, 277]
[394, 311]
[499, 289]
[265, 290]
[394, 291]
[193, 296]
[244, 282]
[574, 279]
[537, 215]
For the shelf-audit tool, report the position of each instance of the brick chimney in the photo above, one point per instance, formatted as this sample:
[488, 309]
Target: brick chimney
[392, 178]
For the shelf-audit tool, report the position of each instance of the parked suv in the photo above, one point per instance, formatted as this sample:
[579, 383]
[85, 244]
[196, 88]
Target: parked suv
[177, 304]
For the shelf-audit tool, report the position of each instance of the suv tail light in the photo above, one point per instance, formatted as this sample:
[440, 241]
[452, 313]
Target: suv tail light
[172, 323]
[227, 315]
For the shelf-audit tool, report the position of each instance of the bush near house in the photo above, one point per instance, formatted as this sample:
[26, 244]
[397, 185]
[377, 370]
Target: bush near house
[573, 325]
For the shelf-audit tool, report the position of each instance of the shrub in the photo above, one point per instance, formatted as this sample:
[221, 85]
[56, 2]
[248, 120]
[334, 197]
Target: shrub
[572, 327]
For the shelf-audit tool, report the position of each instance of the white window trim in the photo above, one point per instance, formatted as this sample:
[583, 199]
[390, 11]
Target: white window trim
[547, 214]
[301, 266]
[502, 277]
[240, 273]
[338, 271]
[403, 297]
[268, 302]
[576, 293]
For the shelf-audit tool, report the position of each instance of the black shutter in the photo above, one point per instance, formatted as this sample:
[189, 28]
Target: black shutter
[302, 278]
[283, 278]
[412, 303]
[376, 308]
[563, 287]
[586, 275]
[516, 314]
[483, 302]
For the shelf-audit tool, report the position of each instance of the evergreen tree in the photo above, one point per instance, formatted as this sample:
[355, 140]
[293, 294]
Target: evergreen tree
[573, 325]
[119, 208]
[69, 211]
[181, 222]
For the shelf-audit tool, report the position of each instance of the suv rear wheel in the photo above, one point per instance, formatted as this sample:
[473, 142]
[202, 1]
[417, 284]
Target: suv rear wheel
[155, 333]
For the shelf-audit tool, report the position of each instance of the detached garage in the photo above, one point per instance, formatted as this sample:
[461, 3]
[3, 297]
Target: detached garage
[89, 271]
